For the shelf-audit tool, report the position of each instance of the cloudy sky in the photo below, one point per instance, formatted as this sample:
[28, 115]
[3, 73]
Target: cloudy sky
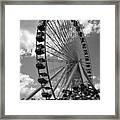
[28, 75]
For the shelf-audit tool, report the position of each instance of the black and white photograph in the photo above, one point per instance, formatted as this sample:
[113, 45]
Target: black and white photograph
[60, 59]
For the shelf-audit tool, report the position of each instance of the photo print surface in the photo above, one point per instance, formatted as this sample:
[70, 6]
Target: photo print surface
[60, 59]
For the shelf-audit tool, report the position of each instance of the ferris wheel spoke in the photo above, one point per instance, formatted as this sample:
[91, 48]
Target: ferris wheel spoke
[63, 70]
[57, 44]
[57, 73]
[33, 93]
[38, 89]
[60, 33]
[63, 81]
[53, 41]
[56, 68]
[62, 84]
[65, 33]
[57, 56]
[59, 80]
[63, 54]
[53, 34]
[63, 46]
[63, 75]
[54, 30]
[61, 88]
[54, 60]
[64, 39]
[71, 76]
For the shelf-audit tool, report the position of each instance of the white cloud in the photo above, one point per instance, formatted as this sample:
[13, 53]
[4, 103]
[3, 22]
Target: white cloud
[26, 85]
[88, 29]
[25, 80]
[84, 22]
[25, 91]
[27, 42]
[97, 86]
[97, 83]
[22, 52]
[94, 77]
[20, 64]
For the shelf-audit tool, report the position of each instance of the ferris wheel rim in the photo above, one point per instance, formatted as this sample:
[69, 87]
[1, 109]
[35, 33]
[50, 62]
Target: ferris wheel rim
[62, 67]
[88, 50]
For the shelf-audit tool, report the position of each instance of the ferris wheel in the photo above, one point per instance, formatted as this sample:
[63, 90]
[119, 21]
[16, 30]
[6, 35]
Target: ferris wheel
[63, 62]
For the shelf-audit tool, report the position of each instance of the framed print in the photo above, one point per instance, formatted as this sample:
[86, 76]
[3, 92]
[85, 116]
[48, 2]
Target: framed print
[60, 60]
